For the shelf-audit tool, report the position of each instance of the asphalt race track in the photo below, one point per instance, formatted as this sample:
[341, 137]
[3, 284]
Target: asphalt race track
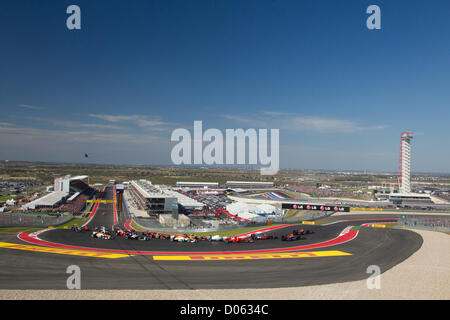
[138, 268]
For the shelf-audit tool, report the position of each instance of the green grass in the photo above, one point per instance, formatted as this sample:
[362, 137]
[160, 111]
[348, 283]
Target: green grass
[296, 213]
[224, 233]
[73, 222]
[4, 198]
[67, 225]
[15, 229]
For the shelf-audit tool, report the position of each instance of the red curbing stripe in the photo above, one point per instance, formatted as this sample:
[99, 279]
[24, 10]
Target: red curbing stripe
[345, 236]
[127, 225]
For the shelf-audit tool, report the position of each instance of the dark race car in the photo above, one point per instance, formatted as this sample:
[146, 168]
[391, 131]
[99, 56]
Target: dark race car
[263, 236]
[291, 237]
[131, 236]
[80, 229]
[161, 236]
[302, 232]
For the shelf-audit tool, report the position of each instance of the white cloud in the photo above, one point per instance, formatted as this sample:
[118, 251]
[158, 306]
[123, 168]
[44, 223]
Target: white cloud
[245, 120]
[151, 123]
[322, 125]
[27, 106]
[75, 124]
[276, 113]
[328, 125]
[114, 118]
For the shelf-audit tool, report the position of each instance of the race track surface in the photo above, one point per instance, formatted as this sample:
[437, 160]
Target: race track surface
[138, 269]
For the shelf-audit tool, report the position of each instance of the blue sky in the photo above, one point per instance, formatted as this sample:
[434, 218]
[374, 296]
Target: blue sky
[340, 93]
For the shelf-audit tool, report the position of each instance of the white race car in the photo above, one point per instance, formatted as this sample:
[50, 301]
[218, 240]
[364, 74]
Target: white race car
[182, 238]
[217, 238]
[101, 235]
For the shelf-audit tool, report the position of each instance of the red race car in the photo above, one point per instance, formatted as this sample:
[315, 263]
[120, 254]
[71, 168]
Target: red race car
[120, 232]
[239, 239]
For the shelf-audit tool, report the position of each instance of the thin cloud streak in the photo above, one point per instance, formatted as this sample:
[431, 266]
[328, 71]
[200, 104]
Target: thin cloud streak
[27, 106]
[74, 124]
[313, 124]
[150, 123]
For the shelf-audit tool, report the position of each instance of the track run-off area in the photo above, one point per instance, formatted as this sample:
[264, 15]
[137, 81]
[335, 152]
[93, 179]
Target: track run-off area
[340, 250]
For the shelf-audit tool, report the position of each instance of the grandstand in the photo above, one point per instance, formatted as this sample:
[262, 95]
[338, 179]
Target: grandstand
[69, 195]
[48, 201]
[410, 198]
[324, 192]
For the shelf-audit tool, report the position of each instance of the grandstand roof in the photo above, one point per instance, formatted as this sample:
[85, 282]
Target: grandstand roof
[238, 190]
[250, 182]
[49, 200]
[197, 183]
[147, 190]
[406, 195]
[185, 201]
[73, 196]
[78, 178]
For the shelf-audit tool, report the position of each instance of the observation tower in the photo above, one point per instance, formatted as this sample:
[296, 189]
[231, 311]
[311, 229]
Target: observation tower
[404, 165]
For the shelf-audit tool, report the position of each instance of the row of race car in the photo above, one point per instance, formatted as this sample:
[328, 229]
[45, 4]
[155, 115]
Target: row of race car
[105, 233]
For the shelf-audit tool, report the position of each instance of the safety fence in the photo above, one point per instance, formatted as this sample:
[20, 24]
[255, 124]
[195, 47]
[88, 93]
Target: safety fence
[365, 209]
[431, 223]
[33, 220]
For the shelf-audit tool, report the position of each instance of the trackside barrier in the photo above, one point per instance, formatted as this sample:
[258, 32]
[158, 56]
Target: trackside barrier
[432, 223]
[32, 220]
[366, 209]
[308, 222]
